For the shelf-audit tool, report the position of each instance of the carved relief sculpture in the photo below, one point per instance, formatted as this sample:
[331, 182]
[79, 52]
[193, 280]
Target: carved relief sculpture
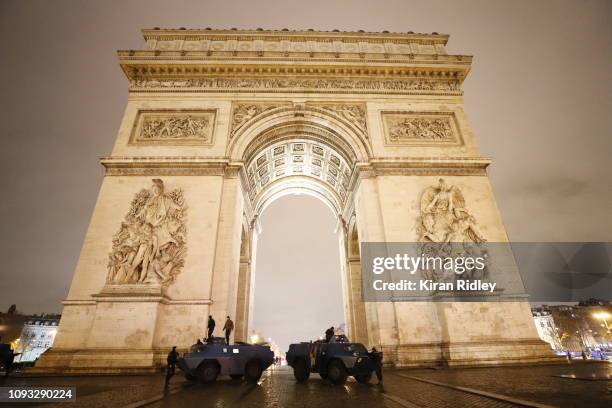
[420, 128]
[354, 113]
[444, 217]
[415, 128]
[154, 127]
[150, 244]
[446, 228]
[242, 113]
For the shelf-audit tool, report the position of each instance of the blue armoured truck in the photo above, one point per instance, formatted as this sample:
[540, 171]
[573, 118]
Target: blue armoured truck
[334, 360]
[206, 361]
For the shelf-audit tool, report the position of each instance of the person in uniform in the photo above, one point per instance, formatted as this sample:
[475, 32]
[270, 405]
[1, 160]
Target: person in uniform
[227, 328]
[376, 358]
[172, 359]
[211, 327]
[329, 333]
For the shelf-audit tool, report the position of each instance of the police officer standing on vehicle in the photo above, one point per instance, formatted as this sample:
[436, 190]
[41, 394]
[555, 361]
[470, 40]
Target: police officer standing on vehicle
[211, 327]
[227, 328]
[329, 333]
[172, 359]
[376, 358]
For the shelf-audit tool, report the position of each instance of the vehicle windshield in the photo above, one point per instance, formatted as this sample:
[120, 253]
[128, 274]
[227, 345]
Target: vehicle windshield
[359, 348]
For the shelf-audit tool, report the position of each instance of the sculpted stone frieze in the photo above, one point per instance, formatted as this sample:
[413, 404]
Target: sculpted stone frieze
[150, 246]
[414, 128]
[173, 127]
[356, 84]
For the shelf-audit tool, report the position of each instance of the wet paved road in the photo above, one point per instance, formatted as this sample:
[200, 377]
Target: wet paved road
[475, 387]
[279, 389]
[468, 387]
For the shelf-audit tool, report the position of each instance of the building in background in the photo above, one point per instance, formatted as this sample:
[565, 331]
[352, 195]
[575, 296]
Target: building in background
[575, 328]
[37, 336]
[547, 330]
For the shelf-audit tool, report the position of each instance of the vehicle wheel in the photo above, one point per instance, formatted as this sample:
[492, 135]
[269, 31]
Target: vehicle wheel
[363, 378]
[236, 376]
[190, 377]
[336, 373]
[207, 372]
[323, 375]
[300, 370]
[252, 371]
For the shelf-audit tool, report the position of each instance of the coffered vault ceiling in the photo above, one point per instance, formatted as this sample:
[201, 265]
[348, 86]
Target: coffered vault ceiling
[298, 158]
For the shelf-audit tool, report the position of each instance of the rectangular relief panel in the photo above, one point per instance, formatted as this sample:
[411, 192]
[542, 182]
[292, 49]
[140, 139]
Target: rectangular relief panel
[173, 127]
[412, 128]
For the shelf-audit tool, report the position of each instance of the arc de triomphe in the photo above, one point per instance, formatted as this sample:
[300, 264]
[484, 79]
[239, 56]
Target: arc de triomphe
[218, 124]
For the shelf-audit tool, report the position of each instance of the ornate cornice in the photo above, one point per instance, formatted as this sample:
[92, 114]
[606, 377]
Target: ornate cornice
[208, 62]
[295, 35]
[158, 68]
[199, 166]
[424, 166]
[169, 166]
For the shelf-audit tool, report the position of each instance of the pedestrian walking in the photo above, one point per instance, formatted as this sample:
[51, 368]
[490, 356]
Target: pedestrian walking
[211, 327]
[228, 327]
[376, 358]
[172, 359]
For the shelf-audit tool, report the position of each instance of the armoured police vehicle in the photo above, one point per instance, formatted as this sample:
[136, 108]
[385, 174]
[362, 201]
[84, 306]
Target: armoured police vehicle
[334, 360]
[206, 361]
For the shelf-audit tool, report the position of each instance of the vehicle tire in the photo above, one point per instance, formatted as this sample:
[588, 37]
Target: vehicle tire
[323, 375]
[207, 372]
[364, 378]
[336, 373]
[300, 370]
[236, 376]
[252, 371]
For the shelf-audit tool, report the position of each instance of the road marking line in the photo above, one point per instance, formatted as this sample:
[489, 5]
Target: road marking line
[492, 395]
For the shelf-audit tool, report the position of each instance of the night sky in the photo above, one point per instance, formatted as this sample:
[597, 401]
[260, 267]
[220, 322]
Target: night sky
[539, 99]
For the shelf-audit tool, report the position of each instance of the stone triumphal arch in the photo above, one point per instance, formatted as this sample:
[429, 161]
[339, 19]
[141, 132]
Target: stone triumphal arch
[218, 124]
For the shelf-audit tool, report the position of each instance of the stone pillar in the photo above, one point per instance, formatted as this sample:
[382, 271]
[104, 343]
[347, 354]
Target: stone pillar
[226, 270]
[340, 230]
[351, 262]
[244, 289]
[381, 317]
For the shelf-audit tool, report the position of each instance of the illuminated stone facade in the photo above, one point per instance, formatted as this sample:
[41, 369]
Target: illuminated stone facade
[218, 124]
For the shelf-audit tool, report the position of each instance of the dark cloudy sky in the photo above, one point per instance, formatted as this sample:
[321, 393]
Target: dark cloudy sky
[539, 98]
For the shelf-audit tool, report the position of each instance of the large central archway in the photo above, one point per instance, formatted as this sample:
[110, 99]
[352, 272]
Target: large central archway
[304, 150]
[297, 281]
